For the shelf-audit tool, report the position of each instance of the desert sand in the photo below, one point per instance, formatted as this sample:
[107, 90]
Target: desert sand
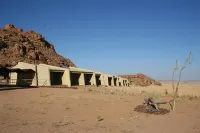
[97, 110]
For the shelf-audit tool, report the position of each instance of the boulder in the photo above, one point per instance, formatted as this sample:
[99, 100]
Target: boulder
[33, 55]
[9, 26]
[3, 45]
[20, 29]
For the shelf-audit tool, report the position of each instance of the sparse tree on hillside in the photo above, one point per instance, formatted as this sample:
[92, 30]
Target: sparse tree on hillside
[176, 88]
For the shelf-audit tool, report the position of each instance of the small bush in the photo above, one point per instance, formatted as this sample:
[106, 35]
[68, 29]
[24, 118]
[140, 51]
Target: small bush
[157, 83]
[166, 92]
[90, 89]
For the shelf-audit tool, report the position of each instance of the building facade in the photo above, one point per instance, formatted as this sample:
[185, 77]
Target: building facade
[47, 75]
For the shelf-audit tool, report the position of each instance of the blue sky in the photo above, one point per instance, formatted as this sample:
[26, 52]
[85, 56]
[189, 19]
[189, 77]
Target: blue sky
[115, 36]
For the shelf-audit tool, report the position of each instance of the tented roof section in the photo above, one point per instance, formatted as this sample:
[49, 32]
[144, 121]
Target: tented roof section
[75, 69]
[16, 70]
[26, 67]
[20, 70]
[53, 67]
[98, 72]
[109, 75]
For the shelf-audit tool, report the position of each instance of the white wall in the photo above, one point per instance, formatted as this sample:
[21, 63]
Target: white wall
[66, 78]
[13, 78]
[22, 65]
[43, 76]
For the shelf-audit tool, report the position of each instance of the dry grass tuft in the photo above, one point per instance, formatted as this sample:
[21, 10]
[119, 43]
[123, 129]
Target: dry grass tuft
[61, 123]
[166, 92]
[157, 83]
[99, 118]
[44, 111]
[24, 123]
[46, 95]
[190, 97]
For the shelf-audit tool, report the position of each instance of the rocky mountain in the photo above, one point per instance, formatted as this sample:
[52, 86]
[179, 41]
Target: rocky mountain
[30, 47]
[141, 80]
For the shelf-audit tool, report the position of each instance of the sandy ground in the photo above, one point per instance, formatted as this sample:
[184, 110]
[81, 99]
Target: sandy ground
[57, 110]
[185, 89]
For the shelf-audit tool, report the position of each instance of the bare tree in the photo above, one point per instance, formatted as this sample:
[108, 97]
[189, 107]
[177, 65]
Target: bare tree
[175, 89]
[175, 69]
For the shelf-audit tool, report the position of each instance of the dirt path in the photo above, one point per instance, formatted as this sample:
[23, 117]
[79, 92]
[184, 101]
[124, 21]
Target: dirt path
[46, 110]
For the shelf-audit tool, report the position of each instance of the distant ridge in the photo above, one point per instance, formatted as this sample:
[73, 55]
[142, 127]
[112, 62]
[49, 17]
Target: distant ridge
[140, 80]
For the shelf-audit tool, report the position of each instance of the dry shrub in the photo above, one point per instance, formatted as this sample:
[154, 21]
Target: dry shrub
[99, 118]
[190, 97]
[166, 92]
[90, 89]
[61, 123]
[143, 92]
[142, 109]
[157, 83]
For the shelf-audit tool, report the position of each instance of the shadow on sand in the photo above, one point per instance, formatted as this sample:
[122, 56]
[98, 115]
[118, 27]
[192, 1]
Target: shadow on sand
[141, 109]
[14, 87]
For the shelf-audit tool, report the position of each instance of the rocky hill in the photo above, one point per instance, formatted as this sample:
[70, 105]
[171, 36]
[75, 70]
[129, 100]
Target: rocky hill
[30, 47]
[141, 80]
